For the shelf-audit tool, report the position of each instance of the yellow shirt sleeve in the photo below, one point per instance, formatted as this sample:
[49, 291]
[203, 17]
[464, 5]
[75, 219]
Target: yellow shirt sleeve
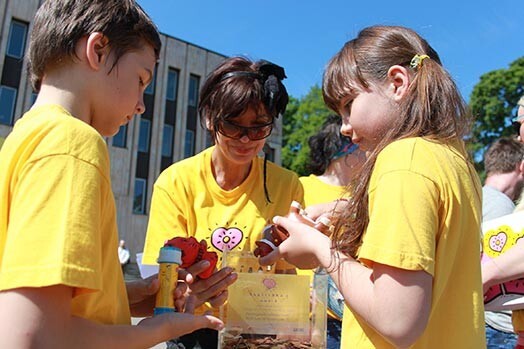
[402, 234]
[56, 225]
[167, 218]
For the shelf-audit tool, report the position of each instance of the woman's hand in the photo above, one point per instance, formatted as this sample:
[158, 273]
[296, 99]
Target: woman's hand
[213, 289]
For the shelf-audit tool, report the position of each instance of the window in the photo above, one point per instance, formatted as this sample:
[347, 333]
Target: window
[172, 84]
[139, 199]
[143, 136]
[209, 140]
[167, 141]
[16, 40]
[120, 139]
[271, 154]
[189, 146]
[150, 90]
[34, 95]
[7, 104]
[194, 81]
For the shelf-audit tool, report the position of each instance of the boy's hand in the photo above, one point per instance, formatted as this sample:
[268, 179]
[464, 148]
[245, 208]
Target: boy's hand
[178, 324]
[141, 294]
[212, 289]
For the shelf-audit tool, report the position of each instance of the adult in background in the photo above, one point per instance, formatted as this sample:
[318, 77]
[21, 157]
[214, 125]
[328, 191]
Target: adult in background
[123, 254]
[504, 166]
[509, 266]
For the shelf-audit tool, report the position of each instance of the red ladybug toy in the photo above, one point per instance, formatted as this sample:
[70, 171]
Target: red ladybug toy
[194, 252]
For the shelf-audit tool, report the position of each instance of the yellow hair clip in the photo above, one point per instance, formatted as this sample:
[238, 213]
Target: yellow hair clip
[416, 61]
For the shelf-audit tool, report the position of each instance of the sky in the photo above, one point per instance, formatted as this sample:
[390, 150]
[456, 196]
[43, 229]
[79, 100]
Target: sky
[471, 37]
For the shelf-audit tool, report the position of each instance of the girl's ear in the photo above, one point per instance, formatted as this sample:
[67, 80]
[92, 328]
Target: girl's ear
[399, 80]
[97, 50]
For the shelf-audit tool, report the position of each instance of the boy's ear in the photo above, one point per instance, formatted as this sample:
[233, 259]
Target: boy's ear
[398, 80]
[97, 50]
[209, 126]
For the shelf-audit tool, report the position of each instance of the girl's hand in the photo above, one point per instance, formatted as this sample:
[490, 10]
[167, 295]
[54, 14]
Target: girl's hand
[328, 209]
[315, 211]
[305, 247]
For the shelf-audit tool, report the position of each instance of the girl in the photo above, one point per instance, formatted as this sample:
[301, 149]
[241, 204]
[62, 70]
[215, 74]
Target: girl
[405, 253]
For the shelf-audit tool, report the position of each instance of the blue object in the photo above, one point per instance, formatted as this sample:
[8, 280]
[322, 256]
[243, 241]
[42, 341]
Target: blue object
[158, 311]
[335, 299]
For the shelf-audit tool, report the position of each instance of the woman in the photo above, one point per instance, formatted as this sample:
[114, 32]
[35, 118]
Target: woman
[226, 194]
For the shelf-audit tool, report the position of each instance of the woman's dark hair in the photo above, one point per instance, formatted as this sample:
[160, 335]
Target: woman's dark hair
[324, 144]
[238, 84]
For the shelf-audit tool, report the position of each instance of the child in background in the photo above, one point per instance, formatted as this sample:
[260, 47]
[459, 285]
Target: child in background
[61, 285]
[405, 254]
[334, 161]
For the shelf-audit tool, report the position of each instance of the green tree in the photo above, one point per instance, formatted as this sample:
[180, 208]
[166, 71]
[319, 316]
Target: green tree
[493, 102]
[302, 119]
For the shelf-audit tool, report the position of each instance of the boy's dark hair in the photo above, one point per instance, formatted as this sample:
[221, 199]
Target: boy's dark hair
[324, 144]
[238, 84]
[503, 156]
[59, 24]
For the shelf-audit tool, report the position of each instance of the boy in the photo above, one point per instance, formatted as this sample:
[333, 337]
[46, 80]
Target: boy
[61, 284]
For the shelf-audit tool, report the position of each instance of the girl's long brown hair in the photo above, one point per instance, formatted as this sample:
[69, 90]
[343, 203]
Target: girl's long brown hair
[433, 108]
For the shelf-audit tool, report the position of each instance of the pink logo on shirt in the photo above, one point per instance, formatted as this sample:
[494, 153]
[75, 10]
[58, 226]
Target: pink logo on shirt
[498, 242]
[223, 238]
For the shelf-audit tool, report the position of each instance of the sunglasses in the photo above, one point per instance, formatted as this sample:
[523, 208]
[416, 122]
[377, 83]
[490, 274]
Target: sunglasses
[254, 133]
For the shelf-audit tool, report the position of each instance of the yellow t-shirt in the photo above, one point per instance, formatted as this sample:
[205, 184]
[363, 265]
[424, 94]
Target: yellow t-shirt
[425, 213]
[318, 192]
[57, 214]
[187, 201]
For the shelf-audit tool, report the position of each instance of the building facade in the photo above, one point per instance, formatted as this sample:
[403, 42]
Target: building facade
[167, 132]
